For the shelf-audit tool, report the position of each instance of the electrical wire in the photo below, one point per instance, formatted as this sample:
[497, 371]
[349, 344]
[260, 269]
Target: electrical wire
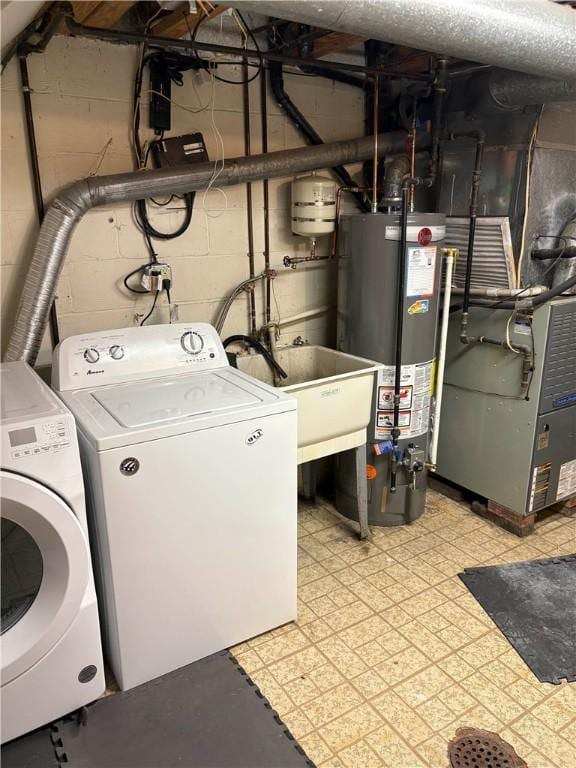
[246, 31]
[508, 340]
[152, 308]
[185, 107]
[136, 271]
[219, 162]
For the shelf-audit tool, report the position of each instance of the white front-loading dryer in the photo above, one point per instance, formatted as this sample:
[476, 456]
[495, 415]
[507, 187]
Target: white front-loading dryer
[191, 479]
[51, 656]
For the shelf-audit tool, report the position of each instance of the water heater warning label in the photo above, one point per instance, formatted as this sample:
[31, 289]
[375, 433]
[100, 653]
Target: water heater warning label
[567, 480]
[421, 271]
[415, 393]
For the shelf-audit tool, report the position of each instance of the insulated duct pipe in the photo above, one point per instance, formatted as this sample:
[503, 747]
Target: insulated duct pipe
[503, 91]
[70, 205]
[533, 36]
[566, 268]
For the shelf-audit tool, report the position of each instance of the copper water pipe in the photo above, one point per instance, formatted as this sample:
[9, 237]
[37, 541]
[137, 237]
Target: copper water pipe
[375, 108]
[337, 213]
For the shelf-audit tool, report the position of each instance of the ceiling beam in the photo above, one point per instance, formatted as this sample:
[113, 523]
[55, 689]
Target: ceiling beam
[105, 14]
[83, 9]
[334, 42]
[180, 23]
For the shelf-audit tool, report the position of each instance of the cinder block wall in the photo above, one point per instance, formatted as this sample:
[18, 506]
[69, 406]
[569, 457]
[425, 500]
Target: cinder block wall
[82, 100]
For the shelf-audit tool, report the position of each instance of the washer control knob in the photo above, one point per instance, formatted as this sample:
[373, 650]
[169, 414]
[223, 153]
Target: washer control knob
[192, 342]
[91, 355]
[116, 352]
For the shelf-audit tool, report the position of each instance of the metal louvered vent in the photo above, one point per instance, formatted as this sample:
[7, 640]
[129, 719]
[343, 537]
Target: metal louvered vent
[493, 257]
[559, 375]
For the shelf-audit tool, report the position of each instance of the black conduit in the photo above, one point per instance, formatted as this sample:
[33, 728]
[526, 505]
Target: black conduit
[399, 332]
[479, 137]
[36, 180]
[300, 122]
[541, 254]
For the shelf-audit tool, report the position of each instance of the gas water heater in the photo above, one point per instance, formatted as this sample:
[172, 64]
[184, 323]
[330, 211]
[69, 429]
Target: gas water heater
[368, 304]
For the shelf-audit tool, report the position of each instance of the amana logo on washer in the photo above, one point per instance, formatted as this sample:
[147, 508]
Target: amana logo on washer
[254, 436]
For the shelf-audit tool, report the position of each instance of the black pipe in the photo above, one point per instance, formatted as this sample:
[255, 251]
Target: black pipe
[541, 254]
[480, 139]
[399, 333]
[36, 179]
[45, 26]
[300, 122]
[265, 191]
[440, 86]
[255, 344]
[245, 53]
[249, 212]
[49, 27]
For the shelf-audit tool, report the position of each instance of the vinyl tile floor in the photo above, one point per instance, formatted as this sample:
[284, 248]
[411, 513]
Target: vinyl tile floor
[390, 654]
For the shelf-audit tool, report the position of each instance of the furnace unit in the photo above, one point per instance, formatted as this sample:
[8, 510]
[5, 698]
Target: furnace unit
[517, 450]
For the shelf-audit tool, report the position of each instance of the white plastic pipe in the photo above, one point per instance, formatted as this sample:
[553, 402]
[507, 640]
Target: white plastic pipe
[449, 259]
[302, 316]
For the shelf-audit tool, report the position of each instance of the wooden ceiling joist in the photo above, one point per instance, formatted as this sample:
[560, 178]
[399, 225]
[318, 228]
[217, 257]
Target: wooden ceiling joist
[180, 22]
[334, 42]
[83, 9]
[101, 14]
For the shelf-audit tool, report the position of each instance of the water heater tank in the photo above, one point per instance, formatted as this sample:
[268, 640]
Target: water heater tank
[313, 206]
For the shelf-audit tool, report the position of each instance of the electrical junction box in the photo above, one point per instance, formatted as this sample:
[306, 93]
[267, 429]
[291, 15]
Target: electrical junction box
[154, 275]
[179, 150]
[518, 453]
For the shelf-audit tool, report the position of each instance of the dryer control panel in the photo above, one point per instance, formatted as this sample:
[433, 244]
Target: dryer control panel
[38, 438]
[129, 354]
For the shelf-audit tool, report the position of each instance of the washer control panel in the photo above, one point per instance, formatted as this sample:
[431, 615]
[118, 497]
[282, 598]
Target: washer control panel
[126, 354]
[39, 438]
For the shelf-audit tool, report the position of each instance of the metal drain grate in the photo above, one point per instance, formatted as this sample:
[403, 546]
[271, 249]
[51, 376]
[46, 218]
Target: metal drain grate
[473, 748]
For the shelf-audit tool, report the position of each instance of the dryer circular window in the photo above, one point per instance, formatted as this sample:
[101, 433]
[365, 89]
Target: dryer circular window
[22, 571]
[46, 552]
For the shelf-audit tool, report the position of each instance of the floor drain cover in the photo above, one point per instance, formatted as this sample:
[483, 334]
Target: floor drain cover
[473, 748]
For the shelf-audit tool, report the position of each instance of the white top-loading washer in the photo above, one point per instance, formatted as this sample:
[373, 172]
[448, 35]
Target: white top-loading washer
[191, 477]
[51, 656]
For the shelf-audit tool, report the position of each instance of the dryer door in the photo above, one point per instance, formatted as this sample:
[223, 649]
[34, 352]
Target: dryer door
[45, 571]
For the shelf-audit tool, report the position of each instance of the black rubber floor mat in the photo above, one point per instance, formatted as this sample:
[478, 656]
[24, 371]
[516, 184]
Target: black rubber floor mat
[35, 750]
[206, 715]
[534, 605]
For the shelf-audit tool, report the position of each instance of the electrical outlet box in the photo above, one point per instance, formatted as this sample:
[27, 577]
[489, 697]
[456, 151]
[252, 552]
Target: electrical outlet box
[154, 276]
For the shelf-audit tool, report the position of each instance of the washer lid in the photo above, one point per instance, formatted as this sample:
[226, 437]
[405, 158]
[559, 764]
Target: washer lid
[156, 401]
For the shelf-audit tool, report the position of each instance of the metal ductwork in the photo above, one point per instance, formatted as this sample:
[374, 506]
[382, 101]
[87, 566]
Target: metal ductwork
[74, 201]
[533, 36]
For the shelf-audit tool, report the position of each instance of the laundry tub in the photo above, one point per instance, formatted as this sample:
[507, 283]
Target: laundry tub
[334, 394]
